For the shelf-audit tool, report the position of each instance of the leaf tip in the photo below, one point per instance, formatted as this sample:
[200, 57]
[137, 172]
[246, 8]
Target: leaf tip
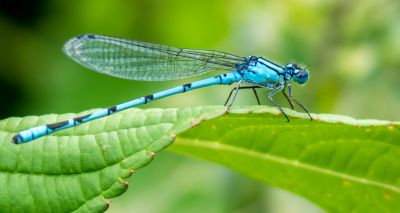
[197, 121]
[132, 171]
[107, 203]
[124, 183]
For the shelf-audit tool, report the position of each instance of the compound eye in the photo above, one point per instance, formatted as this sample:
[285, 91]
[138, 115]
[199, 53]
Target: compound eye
[301, 77]
[302, 74]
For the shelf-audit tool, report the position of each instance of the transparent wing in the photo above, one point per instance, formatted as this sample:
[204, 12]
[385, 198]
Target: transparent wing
[145, 61]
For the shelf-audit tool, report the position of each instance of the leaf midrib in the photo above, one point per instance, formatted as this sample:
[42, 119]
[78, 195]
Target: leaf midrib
[285, 161]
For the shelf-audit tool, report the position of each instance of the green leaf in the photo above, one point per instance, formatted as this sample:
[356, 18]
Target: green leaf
[339, 163]
[81, 168]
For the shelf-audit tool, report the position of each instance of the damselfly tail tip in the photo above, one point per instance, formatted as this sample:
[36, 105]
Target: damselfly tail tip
[17, 139]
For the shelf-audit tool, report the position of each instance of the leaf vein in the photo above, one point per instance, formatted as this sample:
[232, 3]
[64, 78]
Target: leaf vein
[294, 163]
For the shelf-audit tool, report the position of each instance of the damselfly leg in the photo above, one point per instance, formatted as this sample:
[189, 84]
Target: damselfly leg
[272, 93]
[287, 98]
[243, 87]
[298, 103]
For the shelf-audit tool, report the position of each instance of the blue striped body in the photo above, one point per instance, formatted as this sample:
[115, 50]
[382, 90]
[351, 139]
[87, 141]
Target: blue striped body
[254, 70]
[36, 132]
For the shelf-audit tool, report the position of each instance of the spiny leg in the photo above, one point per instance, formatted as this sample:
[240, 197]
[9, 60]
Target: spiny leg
[229, 96]
[244, 87]
[255, 93]
[298, 103]
[272, 100]
[234, 96]
[287, 97]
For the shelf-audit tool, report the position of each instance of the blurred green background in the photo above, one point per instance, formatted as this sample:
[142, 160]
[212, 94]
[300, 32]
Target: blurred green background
[352, 48]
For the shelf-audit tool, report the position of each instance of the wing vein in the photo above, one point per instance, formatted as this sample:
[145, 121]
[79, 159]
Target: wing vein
[145, 61]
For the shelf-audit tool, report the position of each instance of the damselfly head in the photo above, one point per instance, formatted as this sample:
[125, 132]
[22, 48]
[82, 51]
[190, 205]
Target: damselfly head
[300, 75]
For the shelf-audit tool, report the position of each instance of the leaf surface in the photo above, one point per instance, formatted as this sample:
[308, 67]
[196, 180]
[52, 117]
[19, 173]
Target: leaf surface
[81, 168]
[337, 162]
